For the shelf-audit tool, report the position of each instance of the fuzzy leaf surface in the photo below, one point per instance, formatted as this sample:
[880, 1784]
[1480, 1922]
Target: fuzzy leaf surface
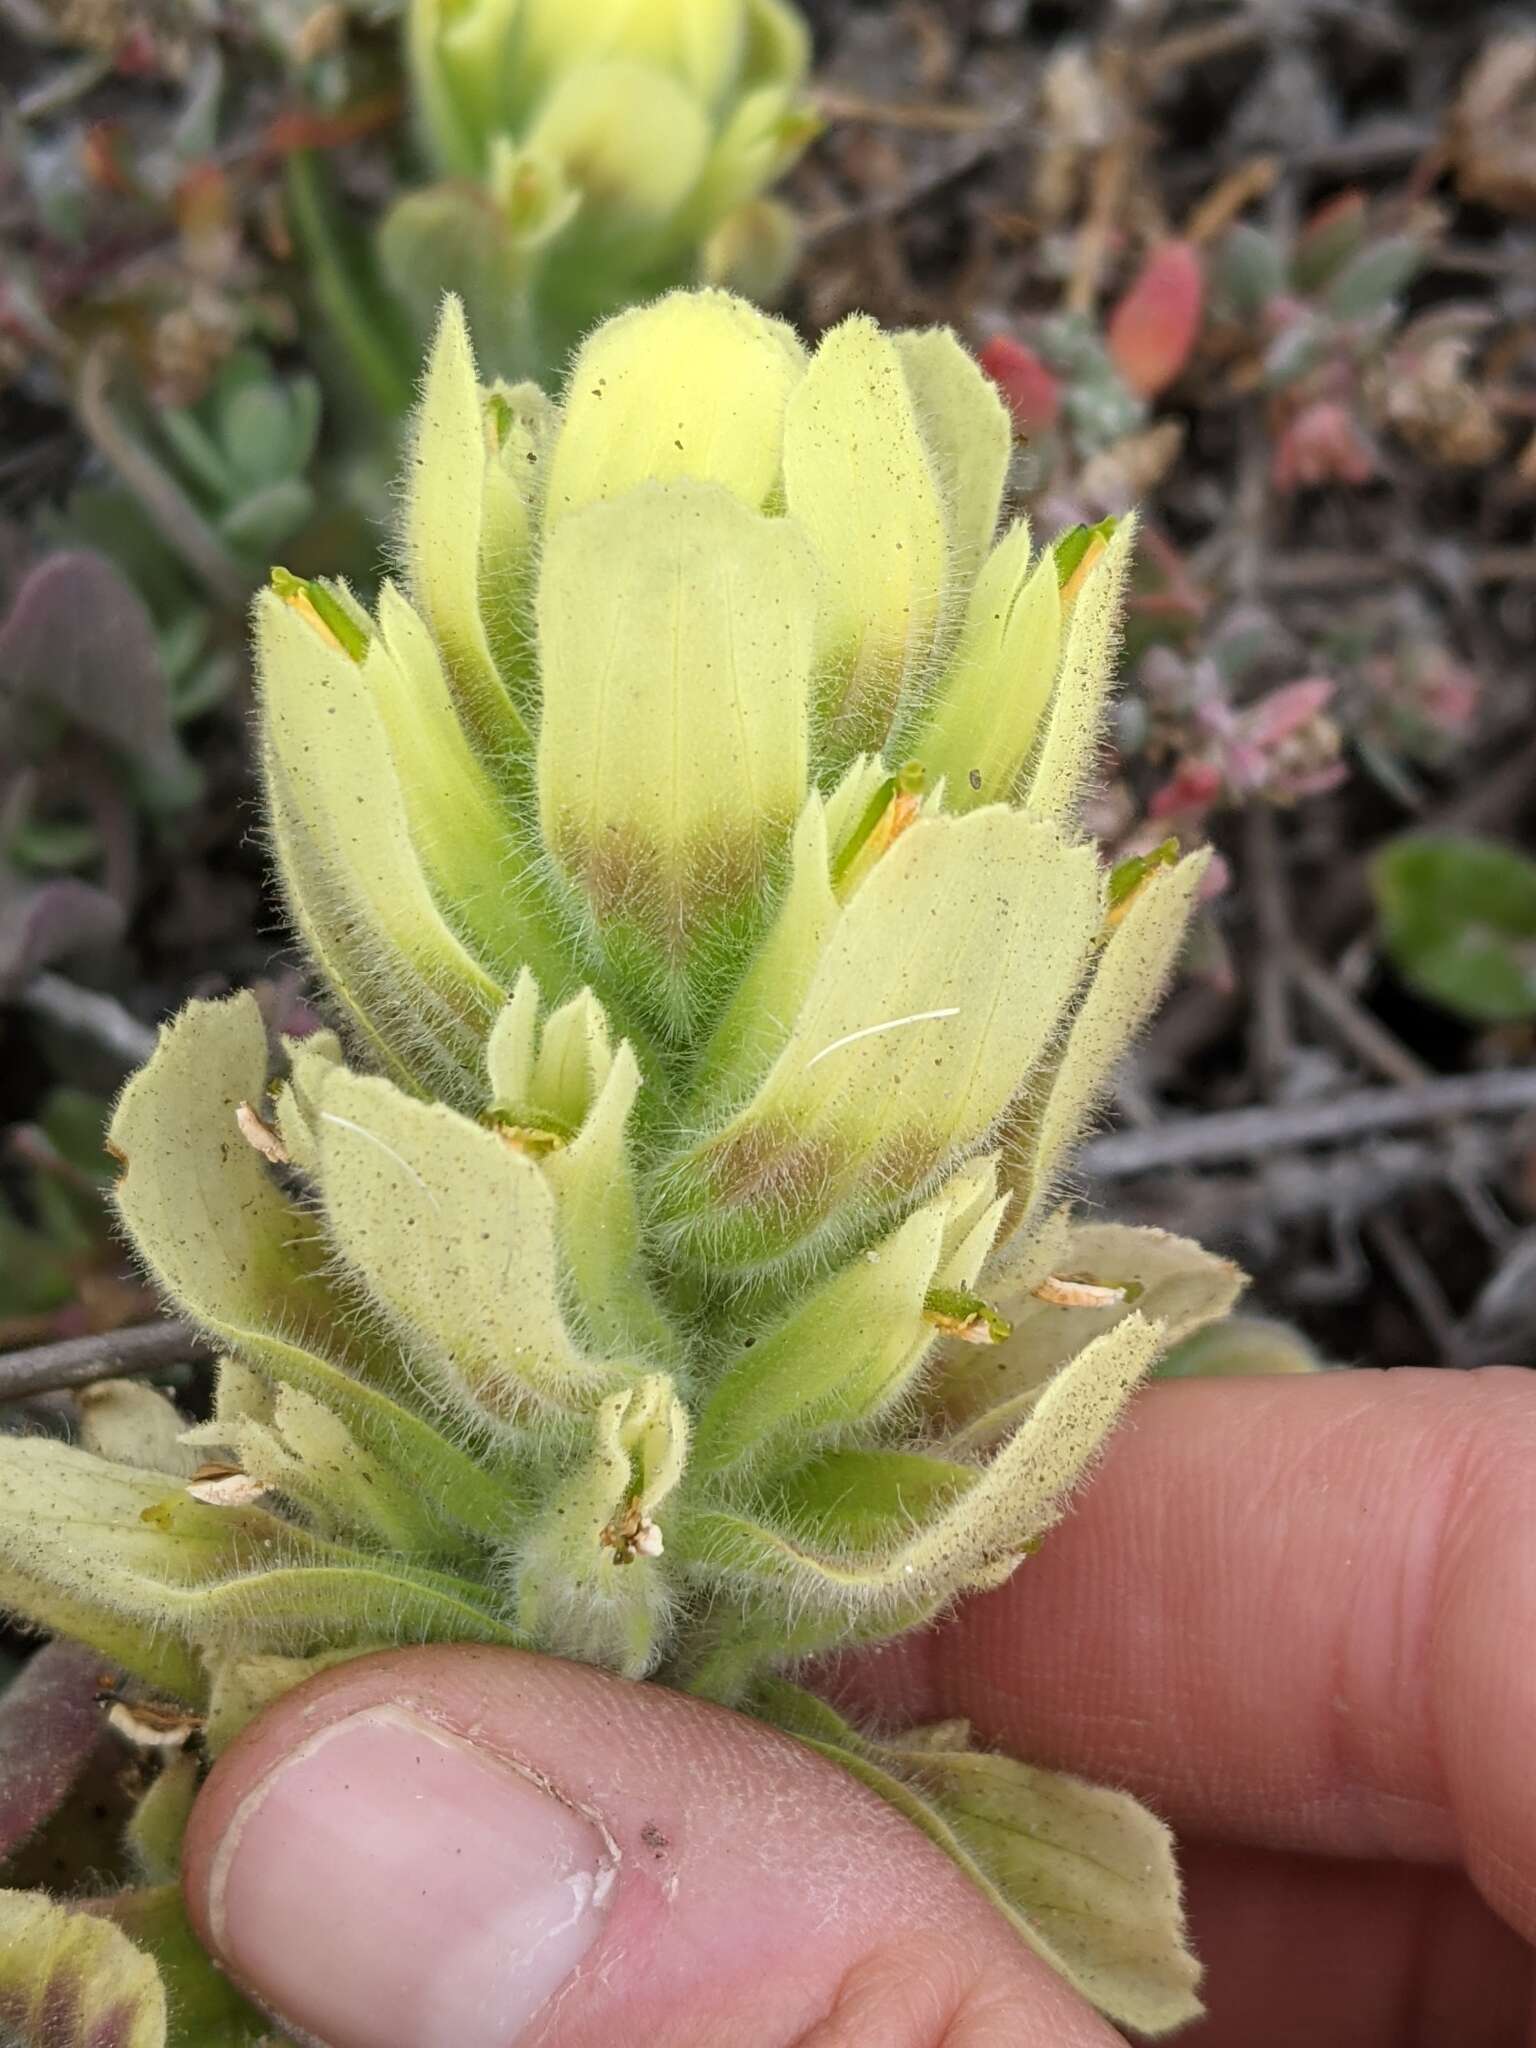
[69, 1980]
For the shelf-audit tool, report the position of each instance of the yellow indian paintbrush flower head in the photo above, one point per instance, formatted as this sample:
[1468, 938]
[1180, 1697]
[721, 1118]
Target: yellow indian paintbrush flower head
[665, 1261]
[592, 155]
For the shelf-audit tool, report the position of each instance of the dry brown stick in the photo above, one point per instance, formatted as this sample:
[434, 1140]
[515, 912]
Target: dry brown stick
[1420, 1289]
[164, 503]
[1494, 798]
[1316, 570]
[1273, 1018]
[115, 1354]
[1236, 191]
[1240, 1134]
[870, 211]
[936, 117]
[98, 1017]
[1375, 148]
[1240, 1206]
[1354, 1023]
[1194, 45]
[1108, 182]
[1384, 1051]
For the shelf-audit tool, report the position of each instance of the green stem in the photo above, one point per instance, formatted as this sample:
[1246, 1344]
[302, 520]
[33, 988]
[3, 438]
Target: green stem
[365, 319]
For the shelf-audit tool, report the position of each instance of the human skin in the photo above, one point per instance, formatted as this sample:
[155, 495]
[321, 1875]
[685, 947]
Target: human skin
[1296, 1616]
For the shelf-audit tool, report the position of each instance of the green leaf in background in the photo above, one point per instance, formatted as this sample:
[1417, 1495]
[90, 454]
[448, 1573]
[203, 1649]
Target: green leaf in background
[1375, 276]
[1249, 270]
[1458, 919]
[1239, 1347]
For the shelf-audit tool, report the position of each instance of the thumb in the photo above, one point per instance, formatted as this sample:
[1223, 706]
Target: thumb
[471, 1848]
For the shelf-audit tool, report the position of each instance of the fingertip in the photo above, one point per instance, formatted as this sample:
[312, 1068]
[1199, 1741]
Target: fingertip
[1292, 1612]
[480, 1848]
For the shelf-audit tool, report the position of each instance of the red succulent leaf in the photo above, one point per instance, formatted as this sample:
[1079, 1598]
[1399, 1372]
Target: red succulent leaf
[1031, 391]
[1286, 710]
[1153, 330]
[137, 55]
[1322, 444]
[1192, 789]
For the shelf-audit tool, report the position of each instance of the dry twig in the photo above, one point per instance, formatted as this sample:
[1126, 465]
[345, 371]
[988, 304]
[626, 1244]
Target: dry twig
[100, 1018]
[1247, 1134]
[78, 1361]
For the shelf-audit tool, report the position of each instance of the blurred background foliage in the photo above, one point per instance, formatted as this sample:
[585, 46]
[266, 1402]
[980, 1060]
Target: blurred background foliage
[1269, 273]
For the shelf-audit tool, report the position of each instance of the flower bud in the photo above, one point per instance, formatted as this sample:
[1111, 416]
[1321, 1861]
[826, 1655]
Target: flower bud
[859, 481]
[693, 386]
[610, 145]
[675, 636]
[561, 1095]
[590, 1573]
[753, 250]
[631, 141]
[459, 53]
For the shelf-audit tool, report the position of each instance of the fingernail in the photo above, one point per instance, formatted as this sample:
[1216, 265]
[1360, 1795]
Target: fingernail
[388, 1886]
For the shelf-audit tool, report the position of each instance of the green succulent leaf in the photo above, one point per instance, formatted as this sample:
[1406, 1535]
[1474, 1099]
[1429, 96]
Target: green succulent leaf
[1459, 918]
[1374, 276]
